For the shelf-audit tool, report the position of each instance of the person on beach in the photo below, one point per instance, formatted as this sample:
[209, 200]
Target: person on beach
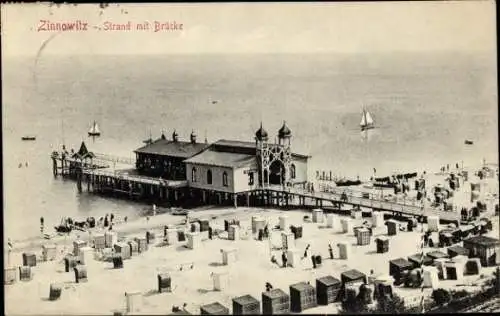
[284, 259]
[125, 219]
[210, 232]
[147, 219]
[111, 217]
[330, 250]
[426, 240]
[313, 259]
[106, 221]
[41, 224]
[305, 251]
[154, 209]
[269, 287]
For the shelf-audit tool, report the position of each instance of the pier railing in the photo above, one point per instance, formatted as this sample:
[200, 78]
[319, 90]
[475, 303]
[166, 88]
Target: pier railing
[345, 196]
[135, 178]
[117, 159]
[96, 163]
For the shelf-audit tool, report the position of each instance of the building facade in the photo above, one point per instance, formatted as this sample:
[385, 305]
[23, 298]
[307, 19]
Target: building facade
[223, 170]
[165, 158]
[237, 166]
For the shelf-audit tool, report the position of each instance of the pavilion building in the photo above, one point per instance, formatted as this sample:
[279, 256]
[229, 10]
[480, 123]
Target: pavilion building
[226, 169]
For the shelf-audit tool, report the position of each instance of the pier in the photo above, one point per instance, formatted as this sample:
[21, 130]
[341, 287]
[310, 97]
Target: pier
[169, 192]
[336, 197]
[172, 172]
[119, 183]
[67, 166]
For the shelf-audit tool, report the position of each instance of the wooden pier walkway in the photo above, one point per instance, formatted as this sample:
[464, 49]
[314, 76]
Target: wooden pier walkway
[115, 159]
[344, 196]
[101, 179]
[123, 176]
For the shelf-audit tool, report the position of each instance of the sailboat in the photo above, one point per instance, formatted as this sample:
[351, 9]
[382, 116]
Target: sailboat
[366, 121]
[94, 130]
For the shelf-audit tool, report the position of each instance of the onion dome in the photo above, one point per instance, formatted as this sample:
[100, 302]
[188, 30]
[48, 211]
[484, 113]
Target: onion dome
[261, 133]
[284, 131]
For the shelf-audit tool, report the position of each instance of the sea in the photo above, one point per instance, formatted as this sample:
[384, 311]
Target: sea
[425, 105]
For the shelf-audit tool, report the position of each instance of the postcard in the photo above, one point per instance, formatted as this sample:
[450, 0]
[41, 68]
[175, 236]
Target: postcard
[250, 158]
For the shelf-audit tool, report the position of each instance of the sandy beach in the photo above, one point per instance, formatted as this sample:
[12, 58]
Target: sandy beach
[105, 289]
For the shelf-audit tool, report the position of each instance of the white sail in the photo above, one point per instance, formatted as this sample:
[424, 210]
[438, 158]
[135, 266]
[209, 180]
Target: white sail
[94, 129]
[363, 119]
[369, 119]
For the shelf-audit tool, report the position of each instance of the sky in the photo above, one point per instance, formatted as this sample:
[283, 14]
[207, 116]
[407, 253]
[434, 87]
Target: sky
[357, 27]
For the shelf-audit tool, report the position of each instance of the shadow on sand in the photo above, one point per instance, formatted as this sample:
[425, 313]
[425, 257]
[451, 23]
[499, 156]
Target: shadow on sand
[118, 311]
[151, 293]
[162, 244]
[205, 291]
[324, 227]
[182, 248]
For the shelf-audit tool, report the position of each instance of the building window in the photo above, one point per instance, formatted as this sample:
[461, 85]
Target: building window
[250, 178]
[224, 179]
[209, 176]
[193, 174]
[292, 171]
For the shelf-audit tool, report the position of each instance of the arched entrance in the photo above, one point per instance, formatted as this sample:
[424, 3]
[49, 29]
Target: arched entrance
[276, 173]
